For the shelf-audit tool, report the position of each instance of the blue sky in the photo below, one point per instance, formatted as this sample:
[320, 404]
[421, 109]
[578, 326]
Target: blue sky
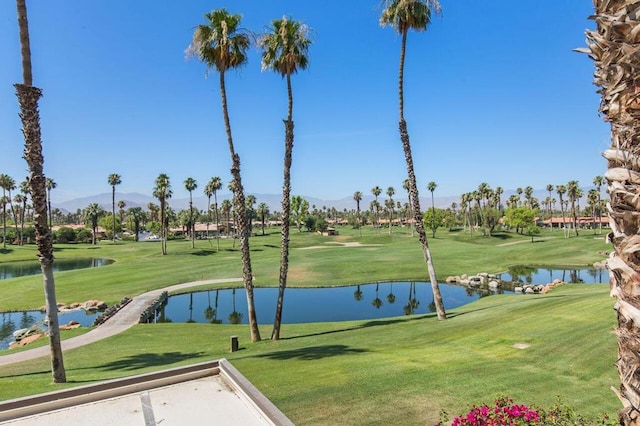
[493, 93]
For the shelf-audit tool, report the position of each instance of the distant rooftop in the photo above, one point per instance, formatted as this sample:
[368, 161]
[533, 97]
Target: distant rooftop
[206, 393]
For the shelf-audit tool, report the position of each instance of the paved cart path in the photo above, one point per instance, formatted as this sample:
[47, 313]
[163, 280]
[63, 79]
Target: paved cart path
[124, 319]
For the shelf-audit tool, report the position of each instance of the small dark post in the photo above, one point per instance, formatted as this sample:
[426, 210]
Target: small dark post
[234, 343]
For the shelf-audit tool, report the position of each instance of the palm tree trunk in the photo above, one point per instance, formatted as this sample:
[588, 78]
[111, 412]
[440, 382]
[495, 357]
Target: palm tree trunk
[113, 210]
[413, 191]
[28, 97]
[241, 209]
[163, 233]
[215, 206]
[286, 212]
[612, 46]
[4, 220]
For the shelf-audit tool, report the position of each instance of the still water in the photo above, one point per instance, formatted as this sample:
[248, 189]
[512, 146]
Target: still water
[12, 321]
[20, 269]
[362, 302]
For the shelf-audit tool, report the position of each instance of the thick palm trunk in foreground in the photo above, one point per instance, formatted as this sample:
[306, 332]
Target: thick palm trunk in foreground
[614, 47]
[28, 97]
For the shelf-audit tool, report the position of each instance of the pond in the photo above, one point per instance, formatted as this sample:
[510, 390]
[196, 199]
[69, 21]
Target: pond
[543, 275]
[20, 269]
[361, 302]
[12, 321]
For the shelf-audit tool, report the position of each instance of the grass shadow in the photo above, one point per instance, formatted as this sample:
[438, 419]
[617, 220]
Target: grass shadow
[313, 353]
[136, 362]
[33, 373]
[5, 250]
[203, 252]
[367, 324]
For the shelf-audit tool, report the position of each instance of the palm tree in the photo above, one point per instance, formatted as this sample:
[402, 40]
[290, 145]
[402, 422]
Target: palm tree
[285, 50]
[212, 188]
[431, 186]
[561, 190]
[598, 181]
[50, 184]
[404, 15]
[574, 193]
[390, 192]
[357, 197]
[28, 97]
[136, 215]
[592, 201]
[612, 46]
[6, 183]
[222, 45]
[263, 213]
[550, 191]
[162, 191]
[121, 205]
[24, 189]
[376, 191]
[92, 212]
[113, 180]
[190, 185]
[226, 208]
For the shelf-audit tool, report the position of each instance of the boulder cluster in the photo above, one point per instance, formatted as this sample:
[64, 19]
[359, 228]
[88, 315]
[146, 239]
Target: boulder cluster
[477, 280]
[24, 336]
[492, 282]
[89, 306]
[538, 289]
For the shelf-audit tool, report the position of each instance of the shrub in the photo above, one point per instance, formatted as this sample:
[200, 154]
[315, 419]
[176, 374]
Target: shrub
[64, 235]
[505, 412]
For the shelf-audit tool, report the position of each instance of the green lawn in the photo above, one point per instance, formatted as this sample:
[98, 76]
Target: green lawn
[391, 371]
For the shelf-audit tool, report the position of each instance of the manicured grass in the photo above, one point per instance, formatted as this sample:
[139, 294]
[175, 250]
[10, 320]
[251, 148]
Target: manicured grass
[140, 267]
[400, 370]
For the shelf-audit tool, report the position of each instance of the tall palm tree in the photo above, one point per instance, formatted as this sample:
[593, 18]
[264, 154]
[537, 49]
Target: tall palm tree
[390, 192]
[357, 197]
[24, 190]
[431, 186]
[190, 185]
[162, 191]
[499, 192]
[561, 190]
[50, 184]
[28, 97]
[263, 214]
[592, 201]
[612, 45]
[285, 50]
[598, 181]
[550, 190]
[404, 15]
[225, 209]
[222, 45]
[376, 191]
[212, 188]
[136, 215]
[6, 183]
[92, 212]
[114, 179]
[121, 205]
[574, 193]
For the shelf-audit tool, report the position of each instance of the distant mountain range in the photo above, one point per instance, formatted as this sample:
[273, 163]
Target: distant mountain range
[274, 201]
